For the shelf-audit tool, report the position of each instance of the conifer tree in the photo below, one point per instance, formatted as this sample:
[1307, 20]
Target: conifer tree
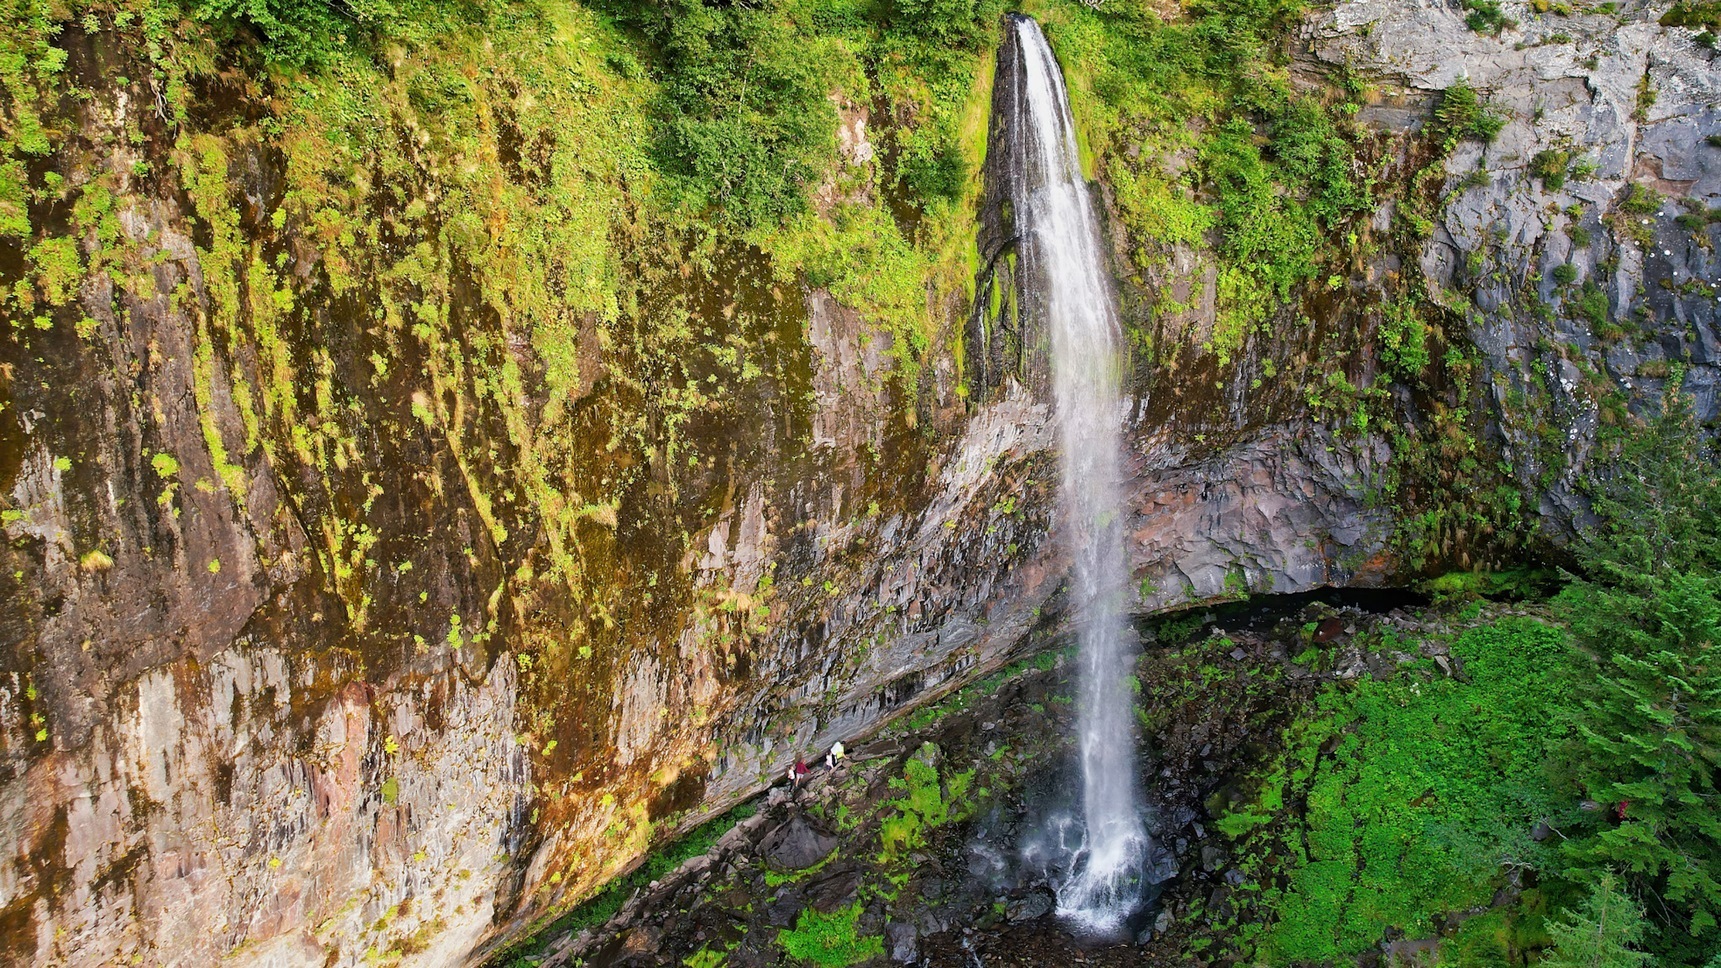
[1602, 933]
[1648, 625]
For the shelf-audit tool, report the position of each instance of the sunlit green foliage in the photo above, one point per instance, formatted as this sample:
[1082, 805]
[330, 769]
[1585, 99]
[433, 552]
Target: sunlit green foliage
[1431, 784]
[1404, 338]
[1209, 85]
[830, 940]
[927, 803]
[1463, 115]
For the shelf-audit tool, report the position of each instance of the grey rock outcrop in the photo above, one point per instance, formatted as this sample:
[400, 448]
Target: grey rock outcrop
[1615, 103]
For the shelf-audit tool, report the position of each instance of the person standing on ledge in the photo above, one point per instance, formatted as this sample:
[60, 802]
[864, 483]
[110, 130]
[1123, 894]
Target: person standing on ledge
[835, 756]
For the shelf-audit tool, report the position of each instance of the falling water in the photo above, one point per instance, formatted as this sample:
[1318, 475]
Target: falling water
[1054, 211]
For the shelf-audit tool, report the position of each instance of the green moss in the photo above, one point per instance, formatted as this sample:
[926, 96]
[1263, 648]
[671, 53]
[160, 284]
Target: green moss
[59, 268]
[14, 200]
[860, 255]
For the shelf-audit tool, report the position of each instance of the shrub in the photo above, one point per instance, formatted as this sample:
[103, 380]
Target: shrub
[1549, 165]
[1647, 618]
[1486, 17]
[1462, 114]
[1592, 306]
[943, 21]
[1641, 200]
[1565, 274]
[1602, 933]
[1693, 13]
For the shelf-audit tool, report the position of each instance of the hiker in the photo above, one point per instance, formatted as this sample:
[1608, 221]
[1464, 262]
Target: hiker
[835, 756]
[797, 773]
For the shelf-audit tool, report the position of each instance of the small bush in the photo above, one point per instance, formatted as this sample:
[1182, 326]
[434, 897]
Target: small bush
[1550, 165]
[1462, 114]
[1404, 339]
[1642, 200]
[1694, 13]
[1486, 17]
[1592, 306]
[1566, 274]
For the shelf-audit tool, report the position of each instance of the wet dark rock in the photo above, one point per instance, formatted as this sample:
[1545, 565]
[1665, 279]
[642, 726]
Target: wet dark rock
[1212, 858]
[1161, 865]
[1036, 905]
[903, 940]
[796, 845]
[783, 909]
[833, 890]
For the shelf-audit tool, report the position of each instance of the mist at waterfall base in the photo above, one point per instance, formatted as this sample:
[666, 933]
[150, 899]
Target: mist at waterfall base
[1098, 852]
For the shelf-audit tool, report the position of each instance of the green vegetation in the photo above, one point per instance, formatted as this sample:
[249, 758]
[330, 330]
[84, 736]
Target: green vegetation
[1410, 802]
[830, 940]
[1404, 339]
[1463, 115]
[927, 803]
[1647, 620]
[1550, 165]
[1202, 87]
[1602, 933]
[1431, 784]
[1486, 17]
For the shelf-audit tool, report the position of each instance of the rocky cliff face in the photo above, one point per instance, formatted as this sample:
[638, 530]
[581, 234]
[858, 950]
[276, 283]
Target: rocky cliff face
[355, 610]
[1602, 167]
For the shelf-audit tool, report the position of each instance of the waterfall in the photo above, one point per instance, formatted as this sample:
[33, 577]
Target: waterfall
[1060, 238]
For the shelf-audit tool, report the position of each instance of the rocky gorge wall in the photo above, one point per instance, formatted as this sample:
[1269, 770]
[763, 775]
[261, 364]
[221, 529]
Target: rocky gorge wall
[355, 611]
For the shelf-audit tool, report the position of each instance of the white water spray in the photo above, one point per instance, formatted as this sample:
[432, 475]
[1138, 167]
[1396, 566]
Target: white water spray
[1055, 214]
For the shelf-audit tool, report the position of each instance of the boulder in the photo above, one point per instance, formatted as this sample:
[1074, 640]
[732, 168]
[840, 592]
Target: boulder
[795, 845]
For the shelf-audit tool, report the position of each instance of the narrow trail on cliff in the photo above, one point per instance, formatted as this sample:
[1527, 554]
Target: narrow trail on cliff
[1061, 237]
